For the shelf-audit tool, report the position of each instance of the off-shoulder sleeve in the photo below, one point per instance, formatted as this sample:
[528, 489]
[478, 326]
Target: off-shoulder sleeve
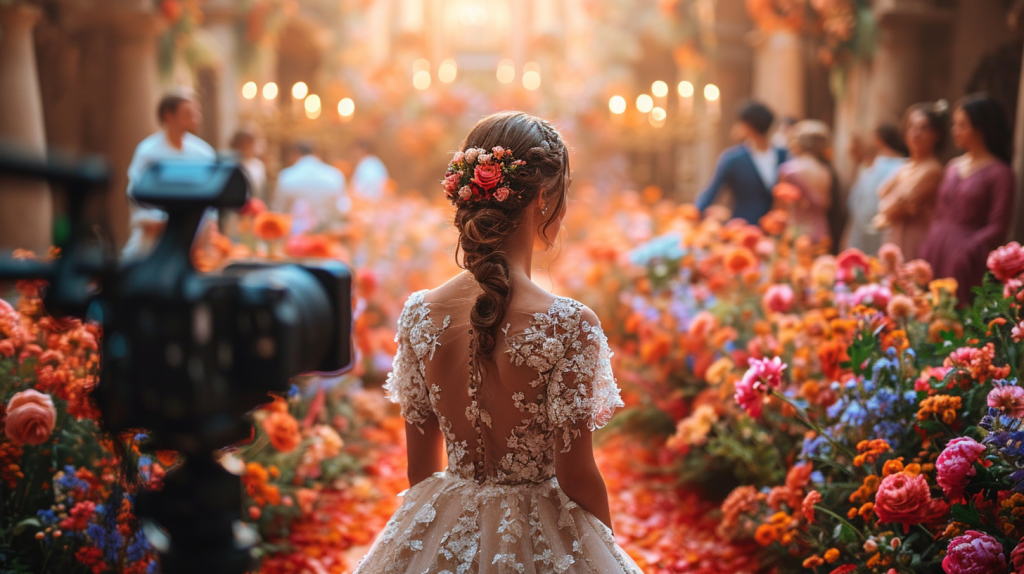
[582, 391]
[406, 385]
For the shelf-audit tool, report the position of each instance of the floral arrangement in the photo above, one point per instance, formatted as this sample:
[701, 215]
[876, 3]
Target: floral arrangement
[67, 492]
[478, 175]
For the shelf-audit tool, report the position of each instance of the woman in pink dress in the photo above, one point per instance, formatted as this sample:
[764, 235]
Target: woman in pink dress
[976, 196]
[907, 200]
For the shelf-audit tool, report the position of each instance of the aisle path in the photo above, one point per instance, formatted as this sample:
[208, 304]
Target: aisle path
[665, 529]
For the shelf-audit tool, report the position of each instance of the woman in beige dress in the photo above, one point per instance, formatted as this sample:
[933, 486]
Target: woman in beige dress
[809, 175]
[907, 200]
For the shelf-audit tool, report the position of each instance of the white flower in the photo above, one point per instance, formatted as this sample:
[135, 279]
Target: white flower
[471, 155]
[458, 157]
[465, 192]
[484, 158]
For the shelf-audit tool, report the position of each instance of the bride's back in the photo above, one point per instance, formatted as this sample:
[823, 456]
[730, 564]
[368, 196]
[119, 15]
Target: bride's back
[494, 410]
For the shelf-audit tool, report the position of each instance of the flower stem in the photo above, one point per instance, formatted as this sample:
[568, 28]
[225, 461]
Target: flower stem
[842, 520]
[806, 420]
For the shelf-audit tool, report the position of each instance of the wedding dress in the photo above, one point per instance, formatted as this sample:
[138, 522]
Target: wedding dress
[497, 508]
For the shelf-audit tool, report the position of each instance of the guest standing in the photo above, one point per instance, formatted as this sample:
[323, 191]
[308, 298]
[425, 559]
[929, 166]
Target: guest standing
[907, 201]
[890, 155]
[246, 145]
[810, 175]
[180, 116]
[975, 206]
[371, 175]
[311, 191]
[749, 169]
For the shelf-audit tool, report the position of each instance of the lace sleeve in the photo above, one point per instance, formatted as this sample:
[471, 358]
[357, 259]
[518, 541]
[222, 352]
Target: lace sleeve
[582, 390]
[406, 385]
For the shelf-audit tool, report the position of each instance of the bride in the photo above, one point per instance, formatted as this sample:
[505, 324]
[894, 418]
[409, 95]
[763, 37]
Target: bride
[509, 379]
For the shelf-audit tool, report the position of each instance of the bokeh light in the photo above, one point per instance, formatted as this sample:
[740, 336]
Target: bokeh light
[312, 103]
[269, 91]
[659, 89]
[421, 80]
[644, 103]
[421, 65]
[506, 71]
[346, 107]
[448, 71]
[711, 92]
[531, 80]
[249, 90]
[617, 105]
[299, 90]
[685, 89]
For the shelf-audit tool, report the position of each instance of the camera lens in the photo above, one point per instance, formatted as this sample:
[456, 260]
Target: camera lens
[302, 308]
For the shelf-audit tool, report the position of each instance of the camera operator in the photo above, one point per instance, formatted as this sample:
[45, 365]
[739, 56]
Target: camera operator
[180, 116]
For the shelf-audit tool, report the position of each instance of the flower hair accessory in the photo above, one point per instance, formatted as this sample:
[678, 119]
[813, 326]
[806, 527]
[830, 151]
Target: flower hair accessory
[476, 175]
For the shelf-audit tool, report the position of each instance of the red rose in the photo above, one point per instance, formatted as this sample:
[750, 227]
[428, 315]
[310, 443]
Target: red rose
[1007, 261]
[904, 498]
[451, 182]
[487, 176]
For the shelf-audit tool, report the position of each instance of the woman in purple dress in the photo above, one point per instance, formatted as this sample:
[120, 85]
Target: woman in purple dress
[975, 205]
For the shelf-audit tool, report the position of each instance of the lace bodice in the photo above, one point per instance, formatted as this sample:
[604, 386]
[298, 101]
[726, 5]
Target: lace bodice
[505, 429]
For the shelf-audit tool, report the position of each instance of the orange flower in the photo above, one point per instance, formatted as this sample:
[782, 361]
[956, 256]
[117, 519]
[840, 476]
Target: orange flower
[739, 259]
[270, 226]
[774, 222]
[832, 354]
[943, 407]
[870, 450]
[283, 430]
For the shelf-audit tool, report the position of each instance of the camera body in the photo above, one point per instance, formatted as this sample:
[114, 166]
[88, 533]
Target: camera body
[186, 355]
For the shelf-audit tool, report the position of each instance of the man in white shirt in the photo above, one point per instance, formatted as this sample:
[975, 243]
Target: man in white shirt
[311, 191]
[179, 116]
[370, 175]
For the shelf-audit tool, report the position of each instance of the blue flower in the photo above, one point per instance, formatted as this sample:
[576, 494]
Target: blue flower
[71, 482]
[47, 517]
[815, 447]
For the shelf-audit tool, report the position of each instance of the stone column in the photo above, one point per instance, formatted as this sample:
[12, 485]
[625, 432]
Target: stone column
[779, 72]
[134, 93]
[26, 208]
[220, 21]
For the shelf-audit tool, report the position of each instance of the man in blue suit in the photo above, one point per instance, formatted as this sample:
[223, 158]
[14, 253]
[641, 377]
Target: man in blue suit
[751, 168]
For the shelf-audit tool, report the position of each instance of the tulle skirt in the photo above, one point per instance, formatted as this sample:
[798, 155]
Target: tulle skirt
[452, 525]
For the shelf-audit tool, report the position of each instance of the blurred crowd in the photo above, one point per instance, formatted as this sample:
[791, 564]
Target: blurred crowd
[951, 214]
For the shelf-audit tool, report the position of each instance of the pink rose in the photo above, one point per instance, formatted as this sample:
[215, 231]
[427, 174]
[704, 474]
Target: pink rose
[1009, 399]
[459, 156]
[923, 382]
[767, 371]
[903, 498]
[487, 176]
[1017, 332]
[919, 271]
[849, 262]
[484, 158]
[891, 257]
[1007, 261]
[471, 155]
[747, 397]
[1017, 556]
[777, 299]
[502, 193]
[499, 152]
[451, 182]
[30, 417]
[465, 192]
[955, 465]
[974, 553]
[875, 295]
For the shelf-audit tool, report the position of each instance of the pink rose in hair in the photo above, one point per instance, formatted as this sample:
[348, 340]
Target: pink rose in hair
[459, 156]
[487, 176]
[451, 182]
[30, 417]
[499, 152]
[502, 193]
[1007, 261]
[974, 553]
[465, 192]
[484, 158]
[955, 466]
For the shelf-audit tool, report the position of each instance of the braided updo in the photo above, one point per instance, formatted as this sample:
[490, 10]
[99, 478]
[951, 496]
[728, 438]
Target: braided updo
[484, 227]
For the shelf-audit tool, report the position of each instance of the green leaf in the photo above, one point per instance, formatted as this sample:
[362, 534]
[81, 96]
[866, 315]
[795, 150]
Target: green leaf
[21, 526]
[967, 514]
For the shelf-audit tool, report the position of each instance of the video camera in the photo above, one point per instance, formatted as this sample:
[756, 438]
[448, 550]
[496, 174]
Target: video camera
[187, 355]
